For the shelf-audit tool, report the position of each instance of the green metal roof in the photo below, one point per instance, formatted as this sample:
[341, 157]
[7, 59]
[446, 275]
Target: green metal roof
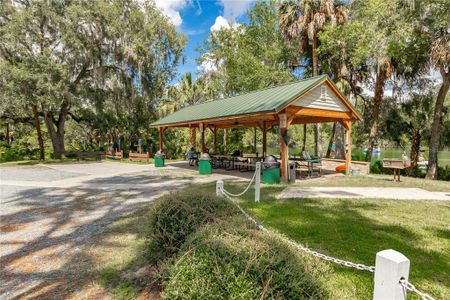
[271, 99]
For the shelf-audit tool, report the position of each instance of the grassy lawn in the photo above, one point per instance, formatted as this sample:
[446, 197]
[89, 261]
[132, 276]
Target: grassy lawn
[356, 230]
[353, 230]
[378, 181]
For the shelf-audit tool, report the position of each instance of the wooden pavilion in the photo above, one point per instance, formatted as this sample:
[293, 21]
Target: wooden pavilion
[313, 100]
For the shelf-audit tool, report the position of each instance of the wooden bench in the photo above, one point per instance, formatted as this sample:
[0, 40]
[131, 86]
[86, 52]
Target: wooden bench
[84, 155]
[114, 155]
[139, 156]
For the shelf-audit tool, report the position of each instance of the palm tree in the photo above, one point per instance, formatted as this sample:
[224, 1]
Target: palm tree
[440, 58]
[300, 22]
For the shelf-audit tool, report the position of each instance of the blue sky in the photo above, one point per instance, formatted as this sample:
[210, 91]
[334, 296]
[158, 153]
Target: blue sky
[196, 19]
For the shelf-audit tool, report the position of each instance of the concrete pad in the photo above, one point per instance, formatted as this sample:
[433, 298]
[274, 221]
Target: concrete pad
[363, 192]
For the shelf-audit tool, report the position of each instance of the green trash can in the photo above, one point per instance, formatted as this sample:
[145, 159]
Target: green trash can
[204, 164]
[271, 170]
[159, 159]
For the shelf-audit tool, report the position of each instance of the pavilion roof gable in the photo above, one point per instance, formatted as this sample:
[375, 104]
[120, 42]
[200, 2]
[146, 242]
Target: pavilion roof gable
[269, 100]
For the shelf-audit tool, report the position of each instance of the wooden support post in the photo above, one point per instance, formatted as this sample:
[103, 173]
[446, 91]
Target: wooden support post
[254, 141]
[216, 148]
[192, 137]
[284, 148]
[202, 139]
[264, 141]
[348, 154]
[161, 139]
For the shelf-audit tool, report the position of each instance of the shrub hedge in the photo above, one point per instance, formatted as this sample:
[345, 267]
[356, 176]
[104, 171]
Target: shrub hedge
[177, 215]
[205, 249]
[226, 261]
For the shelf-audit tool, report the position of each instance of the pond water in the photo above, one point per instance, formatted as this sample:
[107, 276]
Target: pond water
[396, 153]
[358, 154]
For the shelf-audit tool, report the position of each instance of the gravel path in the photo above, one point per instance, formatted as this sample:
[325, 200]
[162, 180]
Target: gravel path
[48, 213]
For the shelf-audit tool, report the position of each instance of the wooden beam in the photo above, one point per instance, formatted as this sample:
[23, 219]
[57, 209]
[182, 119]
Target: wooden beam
[264, 141]
[284, 148]
[202, 139]
[244, 125]
[315, 112]
[193, 137]
[216, 148]
[309, 120]
[161, 139]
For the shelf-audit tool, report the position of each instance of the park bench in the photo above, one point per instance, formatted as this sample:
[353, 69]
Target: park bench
[114, 155]
[93, 154]
[139, 156]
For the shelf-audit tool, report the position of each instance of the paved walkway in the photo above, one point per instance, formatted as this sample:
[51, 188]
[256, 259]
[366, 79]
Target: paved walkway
[48, 212]
[363, 192]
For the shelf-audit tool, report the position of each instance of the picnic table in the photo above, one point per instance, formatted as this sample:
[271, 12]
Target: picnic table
[230, 162]
[396, 165]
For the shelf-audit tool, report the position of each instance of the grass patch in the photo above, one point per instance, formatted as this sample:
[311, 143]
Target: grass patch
[357, 229]
[213, 252]
[378, 181]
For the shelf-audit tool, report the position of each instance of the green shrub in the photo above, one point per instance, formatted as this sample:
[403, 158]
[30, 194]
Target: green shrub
[227, 261]
[376, 167]
[444, 173]
[179, 214]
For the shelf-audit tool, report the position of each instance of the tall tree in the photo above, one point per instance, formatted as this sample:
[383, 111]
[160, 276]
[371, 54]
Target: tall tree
[85, 52]
[440, 58]
[301, 21]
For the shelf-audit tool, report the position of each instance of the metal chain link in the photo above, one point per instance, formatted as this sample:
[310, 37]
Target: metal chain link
[243, 192]
[300, 246]
[406, 285]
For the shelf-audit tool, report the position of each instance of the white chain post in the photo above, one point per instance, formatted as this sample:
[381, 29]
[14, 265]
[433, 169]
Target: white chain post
[390, 267]
[219, 188]
[257, 181]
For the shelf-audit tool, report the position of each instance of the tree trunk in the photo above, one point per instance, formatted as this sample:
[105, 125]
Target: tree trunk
[318, 127]
[55, 128]
[8, 141]
[436, 127]
[37, 125]
[330, 144]
[304, 138]
[415, 147]
[379, 92]
[340, 149]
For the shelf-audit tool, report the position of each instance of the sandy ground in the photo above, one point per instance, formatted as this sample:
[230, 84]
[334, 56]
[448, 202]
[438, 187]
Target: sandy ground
[49, 212]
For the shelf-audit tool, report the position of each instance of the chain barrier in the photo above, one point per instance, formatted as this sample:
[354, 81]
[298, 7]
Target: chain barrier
[246, 189]
[300, 246]
[403, 283]
[410, 287]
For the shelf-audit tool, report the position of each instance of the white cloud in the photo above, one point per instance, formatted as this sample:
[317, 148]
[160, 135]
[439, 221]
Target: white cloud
[233, 9]
[209, 64]
[220, 23]
[171, 9]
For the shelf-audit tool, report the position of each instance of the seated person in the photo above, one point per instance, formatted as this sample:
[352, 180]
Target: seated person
[191, 156]
[236, 153]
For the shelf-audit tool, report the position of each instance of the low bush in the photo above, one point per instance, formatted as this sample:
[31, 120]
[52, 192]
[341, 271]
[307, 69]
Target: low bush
[177, 215]
[444, 173]
[227, 261]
